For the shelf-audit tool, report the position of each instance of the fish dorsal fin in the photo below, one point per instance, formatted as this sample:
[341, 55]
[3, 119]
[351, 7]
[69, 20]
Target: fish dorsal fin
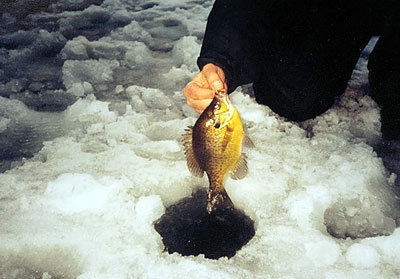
[192, 164]
[241, 169]
[248, 142]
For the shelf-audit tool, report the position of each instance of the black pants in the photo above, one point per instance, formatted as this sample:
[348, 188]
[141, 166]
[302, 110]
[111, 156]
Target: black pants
[308, 54]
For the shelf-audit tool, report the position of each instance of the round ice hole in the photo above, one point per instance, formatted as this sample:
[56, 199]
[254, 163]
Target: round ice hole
[188, 229]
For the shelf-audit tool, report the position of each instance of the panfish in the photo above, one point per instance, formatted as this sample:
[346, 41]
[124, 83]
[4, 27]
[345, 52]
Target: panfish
[213, 145]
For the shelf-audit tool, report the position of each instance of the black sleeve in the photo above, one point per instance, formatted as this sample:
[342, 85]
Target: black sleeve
[384, 70]
[227, 43]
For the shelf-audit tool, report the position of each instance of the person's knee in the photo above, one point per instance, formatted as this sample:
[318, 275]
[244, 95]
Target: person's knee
[294, 108]
[308, 110]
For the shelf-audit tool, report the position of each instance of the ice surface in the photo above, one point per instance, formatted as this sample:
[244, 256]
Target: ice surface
[362, 256]
[100, 173]
[22, 131]
[74, 193]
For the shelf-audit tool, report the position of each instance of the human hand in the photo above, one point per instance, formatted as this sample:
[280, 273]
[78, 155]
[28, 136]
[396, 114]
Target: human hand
[200, 91]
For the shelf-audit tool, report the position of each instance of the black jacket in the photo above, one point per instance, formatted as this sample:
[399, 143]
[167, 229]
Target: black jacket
[290, 40]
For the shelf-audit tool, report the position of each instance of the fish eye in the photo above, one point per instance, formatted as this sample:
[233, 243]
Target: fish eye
[217, 125]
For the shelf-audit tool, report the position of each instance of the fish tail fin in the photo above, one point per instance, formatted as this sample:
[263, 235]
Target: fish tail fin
[218, 199]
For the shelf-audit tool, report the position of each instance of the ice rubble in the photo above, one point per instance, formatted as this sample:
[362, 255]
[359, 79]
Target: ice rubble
[84, 205]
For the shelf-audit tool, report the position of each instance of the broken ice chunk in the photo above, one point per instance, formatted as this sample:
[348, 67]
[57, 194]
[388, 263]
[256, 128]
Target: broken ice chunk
[351, 218]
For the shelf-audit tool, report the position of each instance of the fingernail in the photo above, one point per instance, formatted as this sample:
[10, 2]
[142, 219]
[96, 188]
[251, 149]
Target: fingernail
[218, 85]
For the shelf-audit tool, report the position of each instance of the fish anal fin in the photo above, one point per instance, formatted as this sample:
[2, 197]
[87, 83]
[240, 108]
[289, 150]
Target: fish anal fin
[191, 161]
[248, 142]
[241, 169]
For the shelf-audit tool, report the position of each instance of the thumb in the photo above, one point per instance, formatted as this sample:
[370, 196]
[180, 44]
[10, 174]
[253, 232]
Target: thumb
[215, 76]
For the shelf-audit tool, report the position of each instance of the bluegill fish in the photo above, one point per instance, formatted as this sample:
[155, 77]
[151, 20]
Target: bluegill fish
[213, 145]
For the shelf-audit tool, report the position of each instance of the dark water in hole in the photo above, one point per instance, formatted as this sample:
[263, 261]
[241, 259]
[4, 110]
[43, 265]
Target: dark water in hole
[188, 229]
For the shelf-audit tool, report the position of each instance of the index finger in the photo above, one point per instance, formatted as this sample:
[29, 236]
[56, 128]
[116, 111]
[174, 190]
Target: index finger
[196, 92]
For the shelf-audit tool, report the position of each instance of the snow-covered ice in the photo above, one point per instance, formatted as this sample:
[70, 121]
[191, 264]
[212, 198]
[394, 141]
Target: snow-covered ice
[91, 117]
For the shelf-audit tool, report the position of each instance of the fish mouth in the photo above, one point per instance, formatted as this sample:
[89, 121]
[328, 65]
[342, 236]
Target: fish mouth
[223, 97]
[221, 93]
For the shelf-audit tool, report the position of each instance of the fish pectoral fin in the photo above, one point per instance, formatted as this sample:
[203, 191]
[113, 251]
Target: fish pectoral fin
[191, 161]
[248, 142]
[241, 168]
